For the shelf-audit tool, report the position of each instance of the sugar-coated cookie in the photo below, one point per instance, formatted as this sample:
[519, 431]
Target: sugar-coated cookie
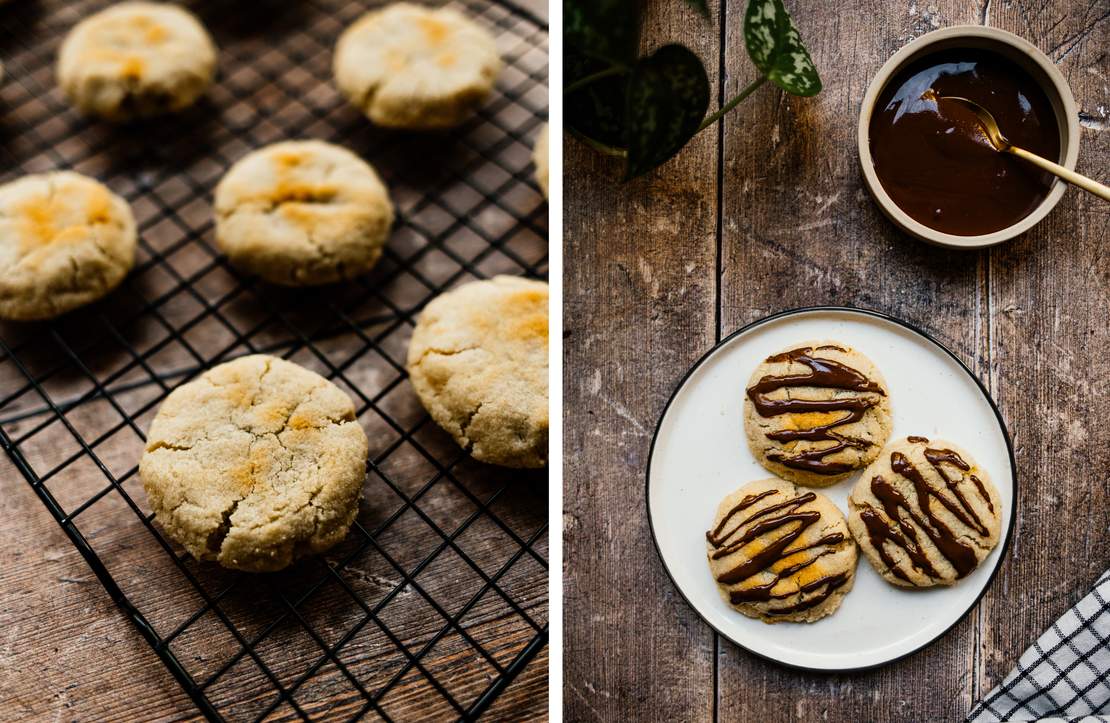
[478, 362]
[816, 412]
[255, 463]
[411, 66]
[540, 157]
[925, 513]
[65, 241]
[135, 60]
[303, 212]
[780, 553]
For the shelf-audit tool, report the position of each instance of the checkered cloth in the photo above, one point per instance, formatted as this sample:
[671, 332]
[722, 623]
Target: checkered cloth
[1065, 675]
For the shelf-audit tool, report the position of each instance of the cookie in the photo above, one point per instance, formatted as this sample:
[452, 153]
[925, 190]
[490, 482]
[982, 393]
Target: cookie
[540, 158]
[136, 60]
[302, 213]
[255, 464]
[410, 66]
[924, 513]
[65, 241]
[816, 412]
[780, 553]
[478, 362]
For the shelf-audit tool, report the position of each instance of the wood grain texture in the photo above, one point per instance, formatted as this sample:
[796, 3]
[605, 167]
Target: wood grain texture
[639, 303]
[797, 228]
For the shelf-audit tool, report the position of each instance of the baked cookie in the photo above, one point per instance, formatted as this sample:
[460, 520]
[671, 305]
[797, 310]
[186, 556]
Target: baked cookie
[816, 412]
[302, 212]
[780, 553]
[540, 158]
[135, 60]
[924, 513]
[478, 362]
[255, 463]
[65, 241]
[410, 66]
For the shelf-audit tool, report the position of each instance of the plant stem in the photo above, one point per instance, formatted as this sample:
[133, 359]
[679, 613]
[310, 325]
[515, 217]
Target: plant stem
[732, 103]
[599, 147]
[594, 77]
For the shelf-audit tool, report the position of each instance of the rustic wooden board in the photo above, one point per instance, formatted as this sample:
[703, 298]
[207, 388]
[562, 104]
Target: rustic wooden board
[796, 227]
[638, 304]
[66, 652]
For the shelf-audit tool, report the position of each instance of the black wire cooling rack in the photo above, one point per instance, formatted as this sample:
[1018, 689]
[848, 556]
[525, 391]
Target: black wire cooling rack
[438, 597]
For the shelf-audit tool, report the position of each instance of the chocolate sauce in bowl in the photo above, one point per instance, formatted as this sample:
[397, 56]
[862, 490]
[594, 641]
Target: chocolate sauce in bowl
[932, 157]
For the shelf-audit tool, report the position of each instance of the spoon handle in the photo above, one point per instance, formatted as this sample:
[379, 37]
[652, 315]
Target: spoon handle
[1071, 177]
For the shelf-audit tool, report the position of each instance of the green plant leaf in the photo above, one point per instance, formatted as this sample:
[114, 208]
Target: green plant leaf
[604, 29]
[700, 6]
[594, 112]
[776, 48]
[668, 95]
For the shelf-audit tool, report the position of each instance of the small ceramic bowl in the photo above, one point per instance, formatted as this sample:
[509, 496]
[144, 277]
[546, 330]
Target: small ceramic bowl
[1011, 47]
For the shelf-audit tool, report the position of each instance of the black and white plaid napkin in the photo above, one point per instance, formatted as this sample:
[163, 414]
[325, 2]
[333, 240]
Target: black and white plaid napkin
[1065, 675]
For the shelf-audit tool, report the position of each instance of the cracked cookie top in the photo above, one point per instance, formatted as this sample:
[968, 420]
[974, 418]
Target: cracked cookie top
[925, 513]
[303, 212]
[136, 59]
[255, 463]
[478, 362]
[410, 66]
[816, 412]
[65, 241]
[780, 553]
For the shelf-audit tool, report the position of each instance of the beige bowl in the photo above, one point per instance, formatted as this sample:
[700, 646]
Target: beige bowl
[1009, 46]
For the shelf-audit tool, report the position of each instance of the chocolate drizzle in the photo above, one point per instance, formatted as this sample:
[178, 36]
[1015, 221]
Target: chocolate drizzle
[833, 582]
[767, 520]
[900, 514]
[742, 505]
[826, 374]
[936, 458]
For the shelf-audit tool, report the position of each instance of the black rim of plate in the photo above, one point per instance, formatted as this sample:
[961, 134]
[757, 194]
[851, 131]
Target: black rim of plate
[1003, 550]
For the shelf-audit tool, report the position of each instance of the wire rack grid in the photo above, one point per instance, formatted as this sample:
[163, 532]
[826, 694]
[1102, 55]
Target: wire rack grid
[437, 599]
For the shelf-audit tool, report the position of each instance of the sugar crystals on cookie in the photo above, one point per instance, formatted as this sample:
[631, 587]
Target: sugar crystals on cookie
[255, 463]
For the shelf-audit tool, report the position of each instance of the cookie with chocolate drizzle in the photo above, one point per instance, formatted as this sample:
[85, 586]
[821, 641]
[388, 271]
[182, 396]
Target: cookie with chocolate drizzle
[925, 513]
[780, 553]
[816, 412]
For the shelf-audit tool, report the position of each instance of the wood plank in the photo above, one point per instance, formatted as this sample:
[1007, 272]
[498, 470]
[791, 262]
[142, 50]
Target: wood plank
[639, 308]
[1050, 300]
[60, 627]
[800, 230]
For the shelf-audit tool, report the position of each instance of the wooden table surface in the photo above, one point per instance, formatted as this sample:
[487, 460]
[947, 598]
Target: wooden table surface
[768, 212]
[67, 653]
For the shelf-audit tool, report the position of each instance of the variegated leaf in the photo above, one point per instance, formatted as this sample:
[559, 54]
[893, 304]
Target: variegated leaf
[668, 95]
[776, 48]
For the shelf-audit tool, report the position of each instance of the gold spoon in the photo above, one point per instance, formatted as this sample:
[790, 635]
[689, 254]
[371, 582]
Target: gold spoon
[986, 120]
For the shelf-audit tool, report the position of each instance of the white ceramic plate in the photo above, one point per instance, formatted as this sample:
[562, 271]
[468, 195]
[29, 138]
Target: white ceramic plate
[700, 454]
